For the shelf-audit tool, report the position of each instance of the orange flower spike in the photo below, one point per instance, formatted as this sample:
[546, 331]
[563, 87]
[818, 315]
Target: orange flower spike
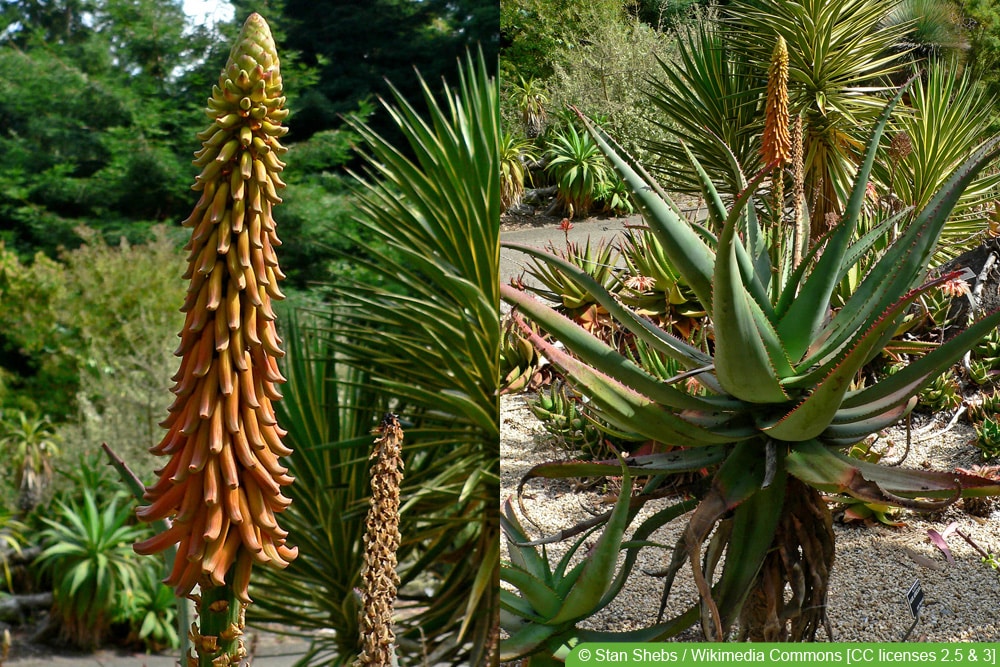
[776, 144]
[231, 264]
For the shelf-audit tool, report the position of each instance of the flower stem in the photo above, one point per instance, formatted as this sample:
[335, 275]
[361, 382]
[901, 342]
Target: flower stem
[221, 617]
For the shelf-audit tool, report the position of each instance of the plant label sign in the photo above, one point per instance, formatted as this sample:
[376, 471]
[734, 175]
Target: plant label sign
[915, 598]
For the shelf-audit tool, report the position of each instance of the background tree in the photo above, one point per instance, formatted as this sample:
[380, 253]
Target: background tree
[534, 34]
[353, 48]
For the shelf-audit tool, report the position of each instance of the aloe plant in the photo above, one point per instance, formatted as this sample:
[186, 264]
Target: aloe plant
[578, 169]
[513, 172]
[576, 301]
[775, 410]
[988, 437]
[652, 286]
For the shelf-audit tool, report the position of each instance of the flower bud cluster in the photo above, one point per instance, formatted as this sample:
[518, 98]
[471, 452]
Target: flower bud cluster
[222, 485]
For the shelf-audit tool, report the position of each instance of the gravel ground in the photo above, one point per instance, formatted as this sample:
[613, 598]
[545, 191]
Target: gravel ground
[873, 568]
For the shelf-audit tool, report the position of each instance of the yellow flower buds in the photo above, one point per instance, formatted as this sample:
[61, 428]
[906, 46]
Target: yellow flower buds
[776, 144]
[222, 483]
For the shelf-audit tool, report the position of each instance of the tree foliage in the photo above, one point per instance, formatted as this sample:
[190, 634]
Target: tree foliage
[92, 97]
[536, 34]
[354, 48]
[102, 318]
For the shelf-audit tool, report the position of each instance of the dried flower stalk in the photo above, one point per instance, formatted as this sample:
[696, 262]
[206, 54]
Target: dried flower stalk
[378, 576]
[799, 205]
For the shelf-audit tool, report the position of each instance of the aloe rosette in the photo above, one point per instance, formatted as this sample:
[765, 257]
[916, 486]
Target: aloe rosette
[221, 487]
[776, 408]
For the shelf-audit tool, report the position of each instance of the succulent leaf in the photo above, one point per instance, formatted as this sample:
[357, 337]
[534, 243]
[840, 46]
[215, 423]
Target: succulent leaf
[833, 472]
[905, 262]
[685, 353]
[815, 412]
[754, 523]
[898, 387]
[602, 560]
[747, 350]
[678, 460]
[849, 432]
[627, 409]
[778, 377]
[693, 258]
[807, 312]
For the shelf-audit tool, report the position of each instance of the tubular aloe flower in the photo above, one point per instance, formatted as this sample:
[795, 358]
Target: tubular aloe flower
[776, 144]
[222, 484]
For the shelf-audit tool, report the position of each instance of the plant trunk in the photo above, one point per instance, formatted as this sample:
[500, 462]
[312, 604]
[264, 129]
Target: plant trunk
[788, 600]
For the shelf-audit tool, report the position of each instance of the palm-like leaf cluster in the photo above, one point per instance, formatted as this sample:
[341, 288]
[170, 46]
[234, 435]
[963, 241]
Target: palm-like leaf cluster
[950, 115]
[89, 556]
[840, 53]
[711, 100]
[423, 338]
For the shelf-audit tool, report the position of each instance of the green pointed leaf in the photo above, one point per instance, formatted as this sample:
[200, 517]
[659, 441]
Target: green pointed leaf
[833, 472]
[653, 633]
[905, 262]
[526, 640]
[859, 248]
[859, 429]
[543, 600]
[627, 409]
[897, 388]
[526, 559]
[755, 262]
[739, 478]
[807, 312]
[754, 523]
[812, 416]
[678, 460]
[744, 340]
[717, 213]
[517, 607]
[81, 573]
[685, 248]
[684, 353]
[602, 560]
[599, 355]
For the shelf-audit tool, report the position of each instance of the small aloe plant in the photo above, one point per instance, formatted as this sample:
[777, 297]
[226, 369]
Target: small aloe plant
[775, 410]
[988, 437]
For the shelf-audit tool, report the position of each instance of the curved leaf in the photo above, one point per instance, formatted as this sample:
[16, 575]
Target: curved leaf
[692, 258]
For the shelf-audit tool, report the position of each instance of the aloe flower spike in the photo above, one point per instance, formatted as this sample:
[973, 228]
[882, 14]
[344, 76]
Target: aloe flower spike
[221, 486]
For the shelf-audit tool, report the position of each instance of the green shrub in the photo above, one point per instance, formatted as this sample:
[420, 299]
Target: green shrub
[88, 556]
[149, 609]
[607, 77]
